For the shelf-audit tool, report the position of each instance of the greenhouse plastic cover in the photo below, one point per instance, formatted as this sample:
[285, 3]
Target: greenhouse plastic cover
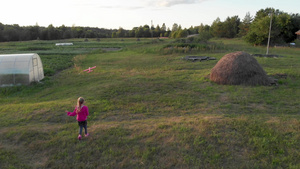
[17, 69]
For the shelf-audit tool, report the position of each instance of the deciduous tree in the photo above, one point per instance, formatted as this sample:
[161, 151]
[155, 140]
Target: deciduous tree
[281, 32]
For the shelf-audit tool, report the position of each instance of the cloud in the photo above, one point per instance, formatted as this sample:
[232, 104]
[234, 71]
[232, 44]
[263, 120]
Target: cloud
[110, 4]
[134, 7]
[169, 3]
[109, 7]
[122, 7]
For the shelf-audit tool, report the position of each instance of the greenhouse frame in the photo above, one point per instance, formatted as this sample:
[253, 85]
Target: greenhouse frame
[20, 69]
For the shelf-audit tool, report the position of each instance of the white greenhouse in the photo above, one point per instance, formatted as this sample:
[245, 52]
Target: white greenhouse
[20, 69]
[64, 44]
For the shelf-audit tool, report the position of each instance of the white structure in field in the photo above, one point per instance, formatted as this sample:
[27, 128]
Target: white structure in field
[63, 44]
[20, 69]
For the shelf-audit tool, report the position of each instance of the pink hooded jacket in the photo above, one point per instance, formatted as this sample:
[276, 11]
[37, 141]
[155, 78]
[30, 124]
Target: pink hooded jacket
[82, 115]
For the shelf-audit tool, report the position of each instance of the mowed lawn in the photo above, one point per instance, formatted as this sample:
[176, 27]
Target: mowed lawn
[149, 109]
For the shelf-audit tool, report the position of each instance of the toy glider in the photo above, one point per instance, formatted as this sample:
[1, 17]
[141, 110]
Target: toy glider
[90, 69]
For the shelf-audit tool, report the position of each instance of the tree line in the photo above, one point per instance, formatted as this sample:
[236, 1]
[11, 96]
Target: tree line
[23, 33]
[254, 30]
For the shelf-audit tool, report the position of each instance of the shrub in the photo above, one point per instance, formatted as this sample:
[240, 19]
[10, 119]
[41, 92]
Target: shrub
[49, 72]
[203, 37]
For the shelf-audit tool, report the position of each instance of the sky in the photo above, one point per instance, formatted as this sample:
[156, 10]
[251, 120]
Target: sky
[113, 14]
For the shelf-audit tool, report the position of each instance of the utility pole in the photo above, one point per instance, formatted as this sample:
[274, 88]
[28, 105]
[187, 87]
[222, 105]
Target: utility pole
[270, 28]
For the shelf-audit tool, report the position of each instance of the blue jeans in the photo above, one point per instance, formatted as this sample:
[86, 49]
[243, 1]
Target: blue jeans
[82, 124]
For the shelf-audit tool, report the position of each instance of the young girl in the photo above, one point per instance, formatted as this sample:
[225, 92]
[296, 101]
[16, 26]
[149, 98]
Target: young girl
[82, 112]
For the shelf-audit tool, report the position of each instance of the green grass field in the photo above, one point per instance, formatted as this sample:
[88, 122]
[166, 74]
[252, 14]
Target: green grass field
[149, 109]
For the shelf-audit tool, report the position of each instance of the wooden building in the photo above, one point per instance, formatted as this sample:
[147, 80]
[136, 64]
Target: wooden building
[298, 34]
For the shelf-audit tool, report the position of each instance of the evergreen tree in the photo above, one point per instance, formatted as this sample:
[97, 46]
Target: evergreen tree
[245, 25]
[217, 29]
[157, 31]
[174, 27]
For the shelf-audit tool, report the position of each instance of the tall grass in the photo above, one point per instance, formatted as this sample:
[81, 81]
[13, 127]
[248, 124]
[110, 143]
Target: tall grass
[153, 110]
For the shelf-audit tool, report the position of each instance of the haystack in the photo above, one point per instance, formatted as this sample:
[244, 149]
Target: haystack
[239, 68]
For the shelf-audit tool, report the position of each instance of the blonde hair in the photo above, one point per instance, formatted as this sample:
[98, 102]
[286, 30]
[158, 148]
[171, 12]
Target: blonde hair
[80, 101]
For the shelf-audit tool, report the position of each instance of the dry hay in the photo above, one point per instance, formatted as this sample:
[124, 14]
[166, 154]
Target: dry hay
[239, 68]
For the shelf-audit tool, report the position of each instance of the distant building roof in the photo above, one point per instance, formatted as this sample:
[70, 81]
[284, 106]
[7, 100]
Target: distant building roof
[193, 35]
